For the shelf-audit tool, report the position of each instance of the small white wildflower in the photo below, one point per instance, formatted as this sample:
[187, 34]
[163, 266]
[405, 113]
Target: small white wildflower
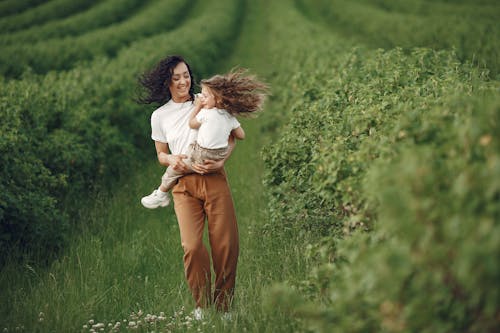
[91, 321]
[98, 325]
[139, 313]
[85, 327]
[132, 323]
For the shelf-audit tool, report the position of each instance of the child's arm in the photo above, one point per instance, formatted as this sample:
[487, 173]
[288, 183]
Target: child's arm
[193, 123]
[238, 133]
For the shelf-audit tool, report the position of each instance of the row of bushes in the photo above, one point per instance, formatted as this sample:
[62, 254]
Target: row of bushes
[473, 38]
[63, 132]
[64, 53]
[11, 7]
[102, 14]
[45, 12]
[394, 158]
[483, 11]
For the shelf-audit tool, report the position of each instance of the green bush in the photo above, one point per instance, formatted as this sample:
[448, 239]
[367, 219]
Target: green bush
[42, 13]
[431, 264]
[102, 14]
[64, 53]
[393, 157]
[11, 7]
[474, 37]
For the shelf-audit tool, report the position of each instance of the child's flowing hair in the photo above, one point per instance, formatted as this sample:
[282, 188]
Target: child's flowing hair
[237, 93]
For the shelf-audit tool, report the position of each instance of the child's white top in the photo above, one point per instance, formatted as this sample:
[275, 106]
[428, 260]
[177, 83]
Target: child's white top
[216, 125]
[170, 124]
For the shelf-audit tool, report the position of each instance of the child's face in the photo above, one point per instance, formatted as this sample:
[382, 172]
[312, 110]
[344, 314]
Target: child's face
[208, 98]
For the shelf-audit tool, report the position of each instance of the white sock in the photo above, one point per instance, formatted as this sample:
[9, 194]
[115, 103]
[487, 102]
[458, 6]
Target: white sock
[161, 193]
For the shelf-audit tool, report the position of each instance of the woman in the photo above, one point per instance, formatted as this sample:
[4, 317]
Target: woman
[199, 196]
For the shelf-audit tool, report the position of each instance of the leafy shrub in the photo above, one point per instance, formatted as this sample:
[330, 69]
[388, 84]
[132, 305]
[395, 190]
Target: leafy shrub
[64, 53]
[42, 13]
[102, 14]
[393, 157]
[474, 37]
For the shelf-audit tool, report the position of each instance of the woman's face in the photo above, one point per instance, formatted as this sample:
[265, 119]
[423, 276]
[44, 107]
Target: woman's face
[208, 98]
[180, 83]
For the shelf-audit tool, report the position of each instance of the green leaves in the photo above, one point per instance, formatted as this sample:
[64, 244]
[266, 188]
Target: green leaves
[403, 144]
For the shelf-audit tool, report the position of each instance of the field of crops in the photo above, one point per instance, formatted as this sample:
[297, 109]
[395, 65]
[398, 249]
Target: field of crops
[367, 194]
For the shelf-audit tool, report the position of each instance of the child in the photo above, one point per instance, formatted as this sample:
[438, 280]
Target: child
[222, 98]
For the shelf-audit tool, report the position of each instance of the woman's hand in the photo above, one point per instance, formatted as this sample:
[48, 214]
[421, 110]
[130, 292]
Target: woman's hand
[176, 162]
[208, 167]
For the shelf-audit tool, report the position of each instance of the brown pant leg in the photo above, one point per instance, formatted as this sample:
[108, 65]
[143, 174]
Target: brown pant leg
[195, 197]
[223, 235]
[189, 208]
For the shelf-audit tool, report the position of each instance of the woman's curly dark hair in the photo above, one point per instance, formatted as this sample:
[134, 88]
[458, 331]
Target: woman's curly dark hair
[157, 81]
[237, 93]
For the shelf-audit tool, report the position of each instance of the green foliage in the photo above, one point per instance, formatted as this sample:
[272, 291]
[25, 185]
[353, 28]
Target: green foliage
[475, 37]
[393, 157]
[102, 14]
[42, 13]
[431, 265]
[80, 127]
[64, 53]
[10, 7]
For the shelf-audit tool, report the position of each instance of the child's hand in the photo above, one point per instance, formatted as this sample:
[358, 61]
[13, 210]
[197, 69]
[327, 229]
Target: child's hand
[177, 163]
[198, 100]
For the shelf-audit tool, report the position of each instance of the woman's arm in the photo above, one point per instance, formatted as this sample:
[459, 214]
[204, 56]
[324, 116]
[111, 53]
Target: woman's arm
[166, 159]
[212, 166]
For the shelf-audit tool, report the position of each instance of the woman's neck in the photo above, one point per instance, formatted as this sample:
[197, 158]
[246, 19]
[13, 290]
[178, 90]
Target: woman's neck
[181, 99]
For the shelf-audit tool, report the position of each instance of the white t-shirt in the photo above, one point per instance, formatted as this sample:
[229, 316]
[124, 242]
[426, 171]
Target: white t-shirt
[170, 124]
[216, 125]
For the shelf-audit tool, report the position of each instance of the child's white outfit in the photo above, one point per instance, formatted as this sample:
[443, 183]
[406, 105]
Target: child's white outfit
[211, 144]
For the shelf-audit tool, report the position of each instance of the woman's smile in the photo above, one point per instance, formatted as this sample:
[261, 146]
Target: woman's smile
[180, 83]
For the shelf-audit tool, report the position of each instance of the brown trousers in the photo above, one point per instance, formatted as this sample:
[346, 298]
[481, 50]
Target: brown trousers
[197, 198]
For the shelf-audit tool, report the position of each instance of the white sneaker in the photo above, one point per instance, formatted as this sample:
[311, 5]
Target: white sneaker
[155, 200]
[198, 314]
